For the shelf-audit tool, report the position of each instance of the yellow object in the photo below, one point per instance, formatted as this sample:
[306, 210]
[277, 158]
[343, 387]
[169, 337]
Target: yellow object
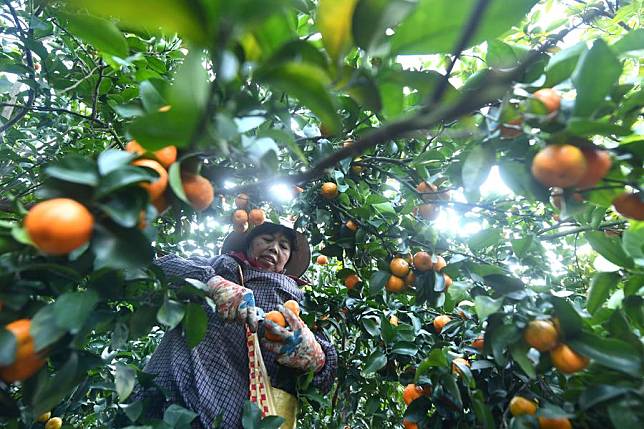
[54, 423]
[44, 417]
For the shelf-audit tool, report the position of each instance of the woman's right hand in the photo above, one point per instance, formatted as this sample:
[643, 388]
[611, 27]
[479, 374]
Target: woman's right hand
[234, 302]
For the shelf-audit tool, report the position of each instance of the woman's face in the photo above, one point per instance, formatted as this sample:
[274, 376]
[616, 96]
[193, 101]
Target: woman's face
[271, 251]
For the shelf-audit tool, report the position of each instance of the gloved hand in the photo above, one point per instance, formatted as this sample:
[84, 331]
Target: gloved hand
[297, 348]
[234, 302]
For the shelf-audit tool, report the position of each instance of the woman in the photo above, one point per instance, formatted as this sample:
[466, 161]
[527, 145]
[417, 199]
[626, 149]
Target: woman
[259, 269]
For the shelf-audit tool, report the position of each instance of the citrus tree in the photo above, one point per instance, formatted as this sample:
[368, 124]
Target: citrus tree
[469, 174]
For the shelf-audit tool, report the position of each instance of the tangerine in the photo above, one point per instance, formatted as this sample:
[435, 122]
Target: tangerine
[426, 211]
[629, 205]
[411, 393]
[27, 361]
[166, 156]
[567, 360]
[199, 191]
[322, 260]
[395, 284]
[157, 186]
[329, 191]
[448, 281]
[598, 164]
[520, 406]
[440, 322]
[161, 204]
[512, 128]
[351, 281]
[241, 201]
[54, 423]
[292, 305]
[550, 98]
[410, 278]
[423, 261]
[399, 267]
[455, 368]
[479, 343]
[541, 334]
[256, 217]
[408, 424]
[351, 225]
[439, 264]
[43, 417]
[277, 317]
[59, 225]
[559, 423]
[559, 165]
[240, 217]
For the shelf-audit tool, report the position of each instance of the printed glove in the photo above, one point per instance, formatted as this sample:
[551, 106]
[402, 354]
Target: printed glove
[297, 348]
[234, 302]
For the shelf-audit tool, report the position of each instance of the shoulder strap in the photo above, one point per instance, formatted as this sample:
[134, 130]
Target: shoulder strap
[241, 274]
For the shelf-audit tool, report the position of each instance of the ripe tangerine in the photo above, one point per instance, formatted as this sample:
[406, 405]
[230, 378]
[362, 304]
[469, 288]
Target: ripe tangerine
[559, 165]
[59, 225]
[27, 362]
[199, 191]
[157, 187]
[541, 334]
[423, 261]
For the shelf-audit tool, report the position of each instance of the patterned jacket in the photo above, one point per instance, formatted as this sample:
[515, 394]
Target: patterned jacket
[212, 378]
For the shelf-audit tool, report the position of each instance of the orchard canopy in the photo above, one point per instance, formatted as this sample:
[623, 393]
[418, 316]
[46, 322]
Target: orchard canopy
[469, 173]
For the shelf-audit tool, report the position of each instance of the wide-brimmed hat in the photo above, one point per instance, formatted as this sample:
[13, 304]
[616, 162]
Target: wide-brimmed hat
[300, 255]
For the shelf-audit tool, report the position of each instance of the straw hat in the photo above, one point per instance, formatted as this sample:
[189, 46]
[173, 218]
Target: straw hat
[297, 263]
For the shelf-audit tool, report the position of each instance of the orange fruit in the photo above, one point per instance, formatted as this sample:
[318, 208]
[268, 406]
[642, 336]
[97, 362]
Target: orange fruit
[240, 217]
[629, 205]
[43, 417]
[199, 191]
[256, 217]
[241, 201]
[455, 368]
[520, 406]
[541, 334]
[440, 322]
[54, 423]
[292, 305]
[425, 187]
[423, 261]
[426, 211]
[559, 165]
[158, 186]
[241, 228]
[448, 281]
[277, 317]
[512, 128]
[408, 424]
[166, 156]
[559, 423]
[411, 393]
[59, 225]
[410, 278]
[351, 281]
[161, 204]
[395, 284]
[439, 264]
[549, 97]
[399, 267]
[351, 225]
[322, 260]
[27, 362]
[329, 190]
[567, 360]
[598, 165]
[479, 343]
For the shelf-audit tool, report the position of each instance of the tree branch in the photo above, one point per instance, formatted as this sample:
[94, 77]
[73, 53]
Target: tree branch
[581, 229]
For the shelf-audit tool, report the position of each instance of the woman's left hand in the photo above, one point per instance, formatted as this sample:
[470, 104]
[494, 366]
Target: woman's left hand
[297, 348]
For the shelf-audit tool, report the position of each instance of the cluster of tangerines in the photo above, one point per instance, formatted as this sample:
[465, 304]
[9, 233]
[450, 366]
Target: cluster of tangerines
[278, 317]
[402, 270]
[242, 218]
[565, 165]
[520, 406]
[429, 193]
[49, 421]
[60, 225]
[543, 335]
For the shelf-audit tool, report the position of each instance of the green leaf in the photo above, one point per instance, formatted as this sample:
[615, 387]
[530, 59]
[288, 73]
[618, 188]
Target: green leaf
[73, 308]
[594, 395]
[610, 248]
[178, 417]
[7, 347]
[588, 128]
[520, 246]
[600, 288]
[596, 73]
[124, 207]
[569, 319]
[562, 64]
[609, 352]
[120, 248]
[150, 97]
[405, 348]
[477, 167]
[482, 410]
[195, 324]
[171, 16]
[632, 41]
[123, 177]
[485, 238]
[375, 362]
[251, 416]
[334, 20]
[500, 337]
[437, 358]
[74, 169]
[44, 329]
[377, 282]
[112, 159]
[104, 35]
[308, 83]
[519, 351]
[372, 18]
[171, 313]
[500, 55]
[485, 306]
[124, 380]
[436, 25]
[633, 242]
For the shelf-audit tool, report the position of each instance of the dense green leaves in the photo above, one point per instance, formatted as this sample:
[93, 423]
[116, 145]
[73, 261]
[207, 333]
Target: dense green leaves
[101, 33]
